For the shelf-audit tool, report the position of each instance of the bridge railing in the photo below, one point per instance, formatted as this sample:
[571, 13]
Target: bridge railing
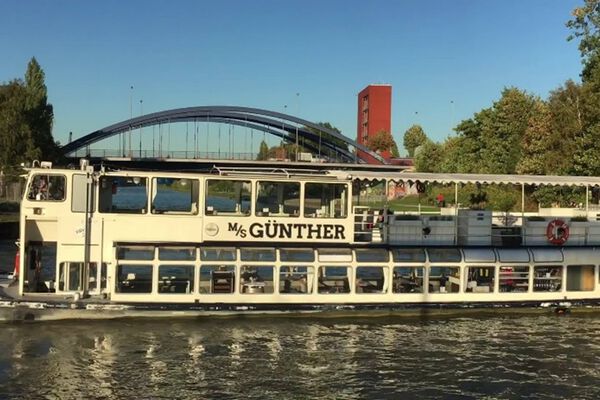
[155, 154]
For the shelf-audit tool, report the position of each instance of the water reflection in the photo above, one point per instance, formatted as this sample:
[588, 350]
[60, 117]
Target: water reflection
[537, 357]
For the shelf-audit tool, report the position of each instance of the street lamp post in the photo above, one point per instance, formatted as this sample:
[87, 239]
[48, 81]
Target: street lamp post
[141, 113]
[297, 112]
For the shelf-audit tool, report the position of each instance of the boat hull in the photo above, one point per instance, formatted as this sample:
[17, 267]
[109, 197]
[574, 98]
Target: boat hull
[46, 311]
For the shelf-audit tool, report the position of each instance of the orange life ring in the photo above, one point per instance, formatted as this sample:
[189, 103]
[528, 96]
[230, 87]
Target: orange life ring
[557, 232]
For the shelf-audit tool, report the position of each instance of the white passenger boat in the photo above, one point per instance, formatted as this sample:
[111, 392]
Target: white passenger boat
[119, 243]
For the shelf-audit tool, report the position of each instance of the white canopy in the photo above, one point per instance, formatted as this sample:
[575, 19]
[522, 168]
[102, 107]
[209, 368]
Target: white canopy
[412, 177]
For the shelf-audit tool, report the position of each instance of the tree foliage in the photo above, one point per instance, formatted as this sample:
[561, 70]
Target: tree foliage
[381, 141]
[414, 137]
[26, 120]
[428, 157]
[585, 25]
[263, 152]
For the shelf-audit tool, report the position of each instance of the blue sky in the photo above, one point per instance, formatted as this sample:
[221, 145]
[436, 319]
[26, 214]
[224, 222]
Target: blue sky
[444, 59]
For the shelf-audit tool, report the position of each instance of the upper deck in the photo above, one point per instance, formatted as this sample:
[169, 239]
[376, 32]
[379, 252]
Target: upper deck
[304, 206]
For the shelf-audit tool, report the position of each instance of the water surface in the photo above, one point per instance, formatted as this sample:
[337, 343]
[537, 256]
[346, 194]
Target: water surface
[539, 357]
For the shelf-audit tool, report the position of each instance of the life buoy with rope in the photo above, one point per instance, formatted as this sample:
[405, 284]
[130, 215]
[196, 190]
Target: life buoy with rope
[557, 232]
[420, 187]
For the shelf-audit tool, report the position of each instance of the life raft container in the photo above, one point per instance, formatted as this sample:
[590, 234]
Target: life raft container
[557, 232]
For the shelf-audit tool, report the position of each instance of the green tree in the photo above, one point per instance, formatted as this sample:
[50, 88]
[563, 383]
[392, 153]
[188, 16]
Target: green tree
[263, 152]
[428, 157]
[381, 141]
[16, 141]
[585, 25]
[413, 138]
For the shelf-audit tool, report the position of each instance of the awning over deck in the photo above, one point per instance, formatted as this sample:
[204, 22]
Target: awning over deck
[527, 180]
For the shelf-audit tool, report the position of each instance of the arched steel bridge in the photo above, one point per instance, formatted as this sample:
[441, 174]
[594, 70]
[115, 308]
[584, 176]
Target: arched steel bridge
[287, 127]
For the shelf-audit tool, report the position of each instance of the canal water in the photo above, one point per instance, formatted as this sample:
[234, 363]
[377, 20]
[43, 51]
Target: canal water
[541, 357]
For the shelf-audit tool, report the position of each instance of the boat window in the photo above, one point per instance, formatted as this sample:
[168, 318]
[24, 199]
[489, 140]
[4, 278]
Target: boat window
[408, 255]
[134, 279]
[70, 276]
[325, 200]
[334, 279]
[296, 279]
[135, 252]
[479, 255]
[580, 278]
[40, 267]
[257, 254]
[256, 279]
[227, 197]
[176, 279]
[514, 279]
[177, 253]
[304, 255]
[278, 199]
[218, 254]
[217, 279]
[45, 187]
[80, 194]
[480, 279]
[547, 278]
[175, 196]
[444, 280]
[444, 255]
[408, 279]
[93, 280]
[370, 280]
[513, 255]
[123, 194]
[335, 255]
[372, 255]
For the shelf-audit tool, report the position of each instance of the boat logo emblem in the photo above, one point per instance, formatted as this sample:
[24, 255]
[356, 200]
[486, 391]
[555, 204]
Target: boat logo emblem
[211, 229]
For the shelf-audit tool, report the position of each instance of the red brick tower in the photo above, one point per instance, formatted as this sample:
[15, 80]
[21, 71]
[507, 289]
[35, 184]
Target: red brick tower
[374, 115]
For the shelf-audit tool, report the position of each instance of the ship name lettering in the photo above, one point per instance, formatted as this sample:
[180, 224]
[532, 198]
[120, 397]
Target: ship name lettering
[276, 230]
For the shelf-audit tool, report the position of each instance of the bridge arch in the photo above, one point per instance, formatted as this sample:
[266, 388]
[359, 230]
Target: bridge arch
[275, 123]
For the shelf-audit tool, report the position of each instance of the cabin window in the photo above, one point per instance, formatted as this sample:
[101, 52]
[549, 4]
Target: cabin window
[334, 279]
[40, 267]
[580, 278]
[296, 279]
[370, 280]
[217, 279]
[480, 279]
[80, 194]
[135, 253]
[256, 279]
[339, 254]
[175, 196]
[218, 254]
[278, 199]
[257, 254]
[227, 197]
[372, 255]
[177, 253]
[70, 276]
[123, 194]
[46, 187]
[94, 278]
[408, 279]
[134, 279]
[408, 255]
[302, 255]
[514, 279]
[444, 280]
[547, 278]
[444, 255]
[176, 279]
[325, 200]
